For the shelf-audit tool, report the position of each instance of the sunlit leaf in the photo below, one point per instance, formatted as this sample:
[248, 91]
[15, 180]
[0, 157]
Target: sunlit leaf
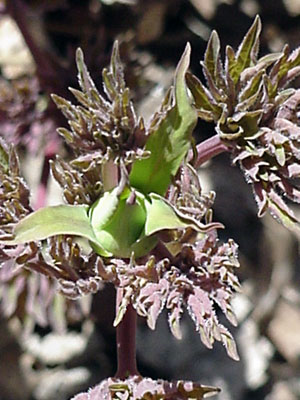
[162, 215]
[54, 220]
[204, 102]
[170, 142]
[85, 81]
[247, 51]
[119, 224]
[212, 60]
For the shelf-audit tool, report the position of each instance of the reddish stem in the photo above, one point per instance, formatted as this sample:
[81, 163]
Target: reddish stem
[208, 149]
[126, 345]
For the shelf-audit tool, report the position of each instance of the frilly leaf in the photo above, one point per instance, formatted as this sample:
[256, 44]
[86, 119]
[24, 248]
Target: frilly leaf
[139, 388]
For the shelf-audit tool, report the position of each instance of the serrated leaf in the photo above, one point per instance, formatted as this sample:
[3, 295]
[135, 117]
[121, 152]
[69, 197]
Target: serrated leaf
[217, 90]
[66, 134]
[280, 211]
[61, 102]
[289, 69]
[171, 140]
[52, 221]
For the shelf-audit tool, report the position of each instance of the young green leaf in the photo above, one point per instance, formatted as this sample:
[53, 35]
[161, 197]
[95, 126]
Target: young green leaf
[212, 65]
[119, 224]
[212, 55]
[170, 142]
[204, 102]
[54, 220]
[85, 81]
[162, 215]
[247, 51]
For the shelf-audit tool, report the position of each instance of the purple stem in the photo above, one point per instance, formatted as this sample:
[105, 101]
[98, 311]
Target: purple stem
[208, 149]
[126, 346]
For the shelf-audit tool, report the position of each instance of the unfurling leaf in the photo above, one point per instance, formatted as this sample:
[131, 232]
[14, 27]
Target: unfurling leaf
[119, 223]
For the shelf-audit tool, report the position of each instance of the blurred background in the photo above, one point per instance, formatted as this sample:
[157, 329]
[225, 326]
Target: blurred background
[52, 348]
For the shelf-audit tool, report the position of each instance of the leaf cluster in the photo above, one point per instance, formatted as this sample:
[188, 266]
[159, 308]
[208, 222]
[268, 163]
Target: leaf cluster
[145, 216]
[245, 99]
[137, 388]
[102, 128]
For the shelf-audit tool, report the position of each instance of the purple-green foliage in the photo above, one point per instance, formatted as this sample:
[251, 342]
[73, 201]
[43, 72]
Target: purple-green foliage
[139, 218]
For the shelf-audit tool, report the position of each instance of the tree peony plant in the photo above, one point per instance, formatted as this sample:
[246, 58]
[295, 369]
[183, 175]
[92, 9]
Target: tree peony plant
[135, 214]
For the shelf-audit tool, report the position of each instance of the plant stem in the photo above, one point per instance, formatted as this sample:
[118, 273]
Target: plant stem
[110, 175]
[208, 149]
[126, 345]
[51, 74]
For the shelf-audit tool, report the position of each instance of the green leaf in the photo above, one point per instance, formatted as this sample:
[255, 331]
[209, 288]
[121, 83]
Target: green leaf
[162, 215]
[281, 211]
[54, 220]
[4, 158]
[113, 78]
[252, 87]
[282, 73]
[204, 102]
[247, 51]
[213, 68]
[103, 209]
[119, 224]
[212, 55]
[280, 154]
[85, 81]
[230, 62]
[169, 142]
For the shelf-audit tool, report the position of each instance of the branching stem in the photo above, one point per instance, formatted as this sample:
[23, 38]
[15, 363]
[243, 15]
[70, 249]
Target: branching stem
[209, 149]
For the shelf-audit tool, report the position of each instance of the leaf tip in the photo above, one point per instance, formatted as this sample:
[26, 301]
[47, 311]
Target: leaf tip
[79, 56]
